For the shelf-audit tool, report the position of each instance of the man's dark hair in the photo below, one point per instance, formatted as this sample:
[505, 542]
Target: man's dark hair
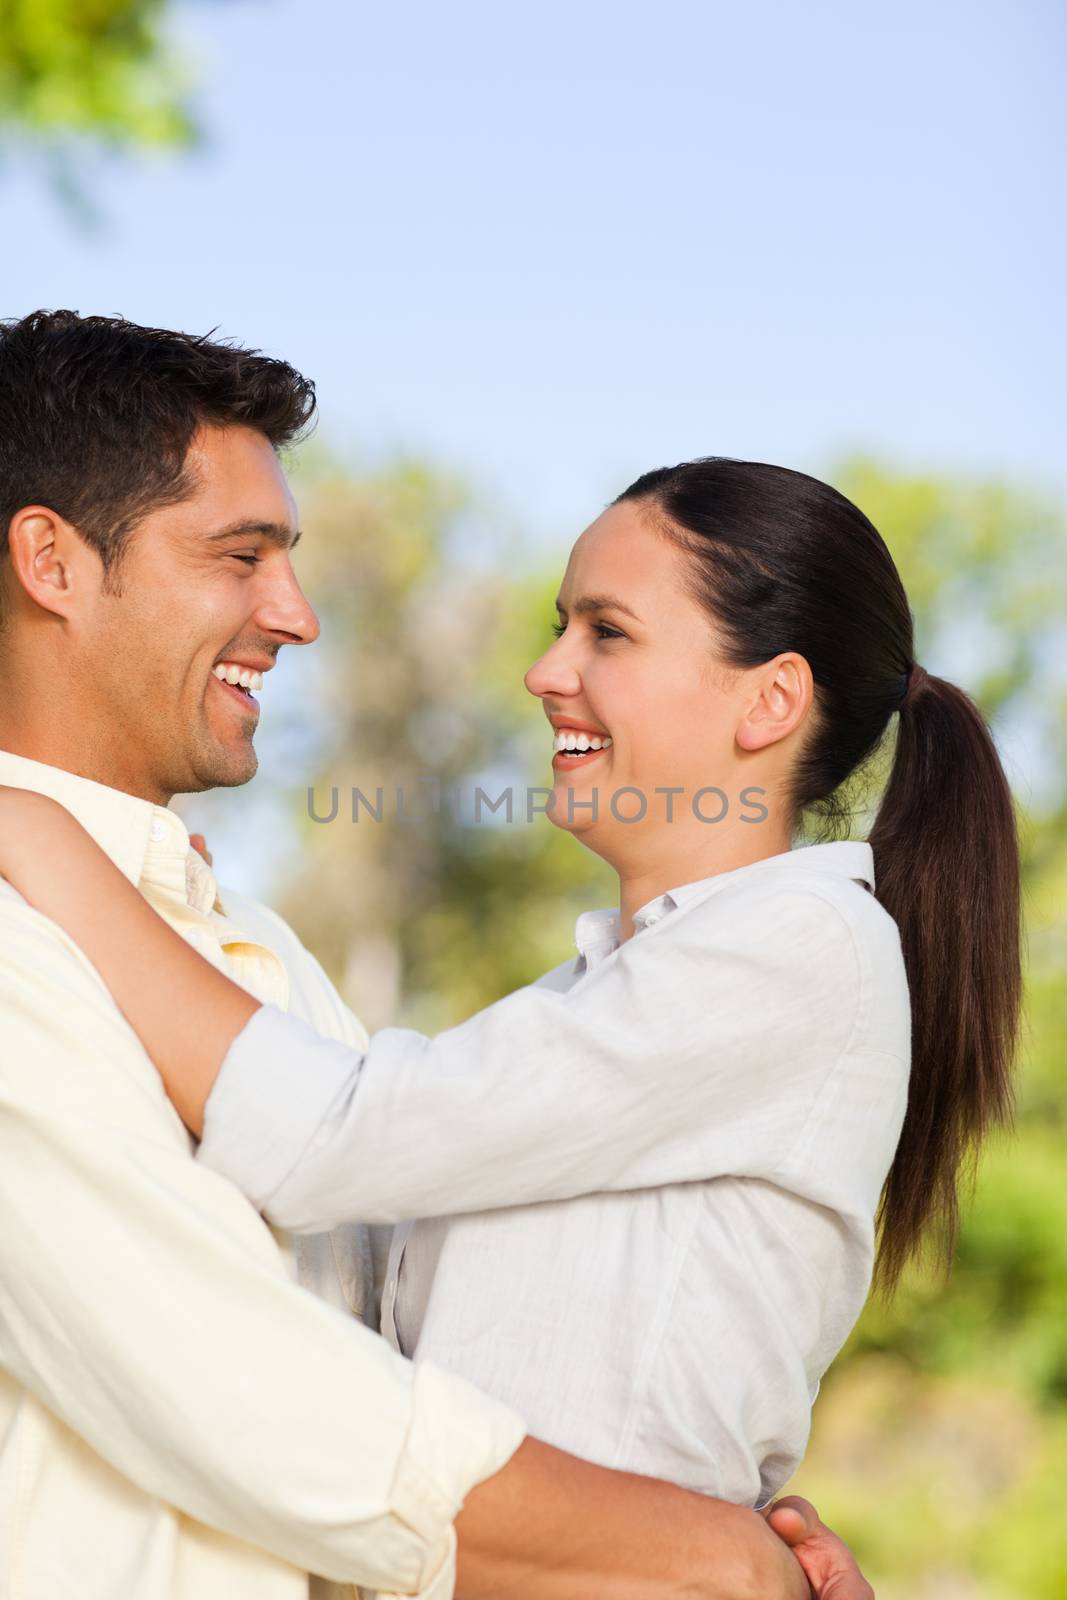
[97, 415]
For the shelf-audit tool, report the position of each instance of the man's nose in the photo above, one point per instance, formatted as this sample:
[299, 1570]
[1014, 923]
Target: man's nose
[285, 608]
[553, 673]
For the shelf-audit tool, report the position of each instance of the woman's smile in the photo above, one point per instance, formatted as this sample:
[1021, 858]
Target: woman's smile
[634, 671]
[576, 744]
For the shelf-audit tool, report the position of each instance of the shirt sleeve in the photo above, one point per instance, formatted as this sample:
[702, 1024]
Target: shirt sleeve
[677, 1059]
[147, 1306]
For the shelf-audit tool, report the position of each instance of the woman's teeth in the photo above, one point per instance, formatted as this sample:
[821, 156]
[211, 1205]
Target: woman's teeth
[569, 742]
[240, 677]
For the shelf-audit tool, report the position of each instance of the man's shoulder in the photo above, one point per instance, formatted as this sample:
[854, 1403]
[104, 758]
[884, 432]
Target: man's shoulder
[313, 995]
[255, 917]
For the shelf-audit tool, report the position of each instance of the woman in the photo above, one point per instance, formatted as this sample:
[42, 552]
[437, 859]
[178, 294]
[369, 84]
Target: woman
[653, 1178]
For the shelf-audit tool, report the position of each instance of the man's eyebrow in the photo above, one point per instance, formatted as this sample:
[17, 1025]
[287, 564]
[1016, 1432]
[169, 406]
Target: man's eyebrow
[277, 532]
[599, 602]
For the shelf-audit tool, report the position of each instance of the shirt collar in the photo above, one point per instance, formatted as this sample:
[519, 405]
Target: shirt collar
[148, 843]
[596, 933]
[844, 858]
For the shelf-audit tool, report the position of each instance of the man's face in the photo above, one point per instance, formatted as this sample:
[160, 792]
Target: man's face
[204, 582]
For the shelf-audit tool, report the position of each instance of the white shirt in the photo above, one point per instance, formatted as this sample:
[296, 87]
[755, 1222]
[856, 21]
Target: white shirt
[178, 1419]
[690, 1132]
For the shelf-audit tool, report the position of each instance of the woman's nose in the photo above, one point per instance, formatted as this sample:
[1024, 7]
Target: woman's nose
[553, 673]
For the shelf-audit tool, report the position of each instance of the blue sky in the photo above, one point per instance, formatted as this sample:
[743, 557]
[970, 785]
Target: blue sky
[556, 245]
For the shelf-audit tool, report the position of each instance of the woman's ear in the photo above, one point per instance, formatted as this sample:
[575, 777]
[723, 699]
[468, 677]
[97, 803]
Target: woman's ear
[780, 698]
[50, 560]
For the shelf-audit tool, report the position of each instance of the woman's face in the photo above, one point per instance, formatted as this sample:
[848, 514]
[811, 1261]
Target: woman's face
[635, 667]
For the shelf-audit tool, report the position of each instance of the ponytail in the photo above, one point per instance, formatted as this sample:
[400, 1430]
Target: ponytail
[947, 870]
[782, 561]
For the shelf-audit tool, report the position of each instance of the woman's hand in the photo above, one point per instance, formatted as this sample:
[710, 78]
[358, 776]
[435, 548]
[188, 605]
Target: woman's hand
[199, 844]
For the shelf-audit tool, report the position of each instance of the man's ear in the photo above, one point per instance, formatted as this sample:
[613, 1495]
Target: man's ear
[50, 561]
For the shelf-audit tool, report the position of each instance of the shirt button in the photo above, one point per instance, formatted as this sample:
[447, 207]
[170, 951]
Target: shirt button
[158, 830]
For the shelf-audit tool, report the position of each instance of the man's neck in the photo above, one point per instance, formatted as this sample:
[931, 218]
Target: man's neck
[52, 750]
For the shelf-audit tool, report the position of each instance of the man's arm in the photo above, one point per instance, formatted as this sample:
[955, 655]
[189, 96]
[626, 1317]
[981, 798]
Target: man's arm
[828, 1563]
[551, 1527]
[642, 1542]
[145, 1304]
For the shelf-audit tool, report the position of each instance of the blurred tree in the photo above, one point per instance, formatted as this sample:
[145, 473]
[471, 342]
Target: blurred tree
[91, 67]
[985, 567]
[81, 73]
[941, 1434]
[419, 703]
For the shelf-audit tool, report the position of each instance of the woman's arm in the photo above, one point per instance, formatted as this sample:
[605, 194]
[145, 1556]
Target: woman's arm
[184, 1011]
[729, 1047]
[676, 1060]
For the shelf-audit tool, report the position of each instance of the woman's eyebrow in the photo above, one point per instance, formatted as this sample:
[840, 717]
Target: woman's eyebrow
[599, 602]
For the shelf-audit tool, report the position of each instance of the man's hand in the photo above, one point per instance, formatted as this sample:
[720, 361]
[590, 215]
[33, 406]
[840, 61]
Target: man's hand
[549, 1526]
[828, 1563]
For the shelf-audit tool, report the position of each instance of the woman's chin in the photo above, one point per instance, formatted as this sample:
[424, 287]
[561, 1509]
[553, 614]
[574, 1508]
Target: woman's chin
[581, 826]
[574, 811]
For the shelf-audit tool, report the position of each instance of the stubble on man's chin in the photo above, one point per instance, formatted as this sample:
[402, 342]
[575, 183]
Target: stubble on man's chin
[218, 769]
[234, 774]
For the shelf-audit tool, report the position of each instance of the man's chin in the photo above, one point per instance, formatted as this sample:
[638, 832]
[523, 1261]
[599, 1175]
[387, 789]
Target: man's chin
[224, 767]
[234, 777]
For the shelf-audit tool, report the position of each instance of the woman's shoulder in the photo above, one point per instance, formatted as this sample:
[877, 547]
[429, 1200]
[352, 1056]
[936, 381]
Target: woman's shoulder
[821, 937]
[559, 978]
[789, 891]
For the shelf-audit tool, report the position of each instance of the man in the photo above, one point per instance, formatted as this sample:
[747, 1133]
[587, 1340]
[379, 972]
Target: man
[178, 1417]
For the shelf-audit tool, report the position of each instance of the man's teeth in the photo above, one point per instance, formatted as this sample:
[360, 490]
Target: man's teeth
[243, 677]
[569, 741]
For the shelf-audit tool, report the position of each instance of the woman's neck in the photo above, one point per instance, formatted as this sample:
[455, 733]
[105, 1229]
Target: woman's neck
[646, 877]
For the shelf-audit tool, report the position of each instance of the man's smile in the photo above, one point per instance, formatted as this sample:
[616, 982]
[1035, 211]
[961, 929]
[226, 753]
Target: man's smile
[237, 680]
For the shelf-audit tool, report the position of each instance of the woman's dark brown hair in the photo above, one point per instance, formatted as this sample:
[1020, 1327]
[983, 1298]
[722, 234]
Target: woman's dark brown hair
[783, 562]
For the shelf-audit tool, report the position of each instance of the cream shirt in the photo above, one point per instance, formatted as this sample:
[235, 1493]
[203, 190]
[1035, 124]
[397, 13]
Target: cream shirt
[690, 1133]
[179, 1420]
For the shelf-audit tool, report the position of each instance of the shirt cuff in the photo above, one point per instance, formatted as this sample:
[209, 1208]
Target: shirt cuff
[458, 1438]
[442, 1586]
[262, 1114]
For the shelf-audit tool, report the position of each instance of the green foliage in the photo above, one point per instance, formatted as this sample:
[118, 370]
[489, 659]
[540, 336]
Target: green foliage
[945, 1486]
[941, 1431]
[99, 68]
[423, 650]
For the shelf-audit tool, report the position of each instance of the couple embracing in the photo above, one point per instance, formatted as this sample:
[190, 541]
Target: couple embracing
[628, 1214]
